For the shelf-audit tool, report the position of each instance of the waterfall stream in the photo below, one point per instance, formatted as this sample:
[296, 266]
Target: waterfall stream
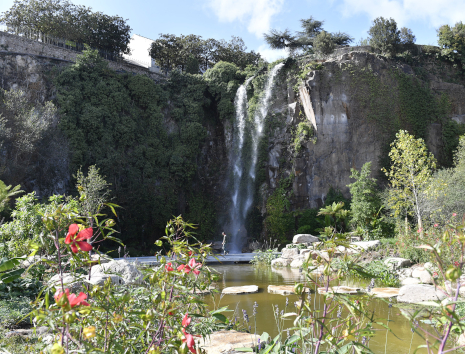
[241, 202]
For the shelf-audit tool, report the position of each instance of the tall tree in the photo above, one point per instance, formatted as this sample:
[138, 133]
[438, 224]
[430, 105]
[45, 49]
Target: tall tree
[410, 172]
[452, 42]
[386, 37]
[365, 199]
[305, 39]
[60, 18]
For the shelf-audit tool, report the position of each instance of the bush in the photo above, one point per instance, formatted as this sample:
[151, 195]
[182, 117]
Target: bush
[13, 312]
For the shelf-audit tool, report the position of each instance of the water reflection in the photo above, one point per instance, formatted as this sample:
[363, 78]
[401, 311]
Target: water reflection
[244, 274]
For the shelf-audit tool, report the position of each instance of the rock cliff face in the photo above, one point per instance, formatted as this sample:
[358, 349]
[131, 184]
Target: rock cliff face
[355, 104]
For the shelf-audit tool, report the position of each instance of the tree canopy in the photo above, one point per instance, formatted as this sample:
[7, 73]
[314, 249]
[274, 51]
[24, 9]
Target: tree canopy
[387, 38]
[61, 18]
[452, 41]
[179, 52]
[307, 38]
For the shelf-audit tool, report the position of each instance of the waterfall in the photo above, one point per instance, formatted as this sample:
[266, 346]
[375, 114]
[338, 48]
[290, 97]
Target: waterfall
[241, 202]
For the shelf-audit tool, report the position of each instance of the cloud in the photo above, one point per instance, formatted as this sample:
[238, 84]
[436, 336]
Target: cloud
[434, 12]
[256, 13]
[271, 54]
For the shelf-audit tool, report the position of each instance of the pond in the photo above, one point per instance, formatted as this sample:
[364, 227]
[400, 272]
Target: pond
[244, 274]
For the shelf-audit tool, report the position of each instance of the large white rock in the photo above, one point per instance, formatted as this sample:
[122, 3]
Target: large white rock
[366, 245]
[417, 272]
[410, 281]
[417, 293]
[426, 278]
[283, 289]
[235, 290]
[123, 268]
[72, 282]
[226, 341]
[304, 238]
[281, 262]
[397, 262]
[99, 279]
[298, 261]
[404, 273]
[289, 253]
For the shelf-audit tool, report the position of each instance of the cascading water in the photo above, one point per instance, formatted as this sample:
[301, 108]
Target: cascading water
[241, 202]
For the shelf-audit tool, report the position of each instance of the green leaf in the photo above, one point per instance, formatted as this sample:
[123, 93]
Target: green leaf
[7, 264]
[158, 243]
[250, 350]
[220, 317]
[10, 276]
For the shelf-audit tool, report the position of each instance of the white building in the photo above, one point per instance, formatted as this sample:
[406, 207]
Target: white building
[139, 55]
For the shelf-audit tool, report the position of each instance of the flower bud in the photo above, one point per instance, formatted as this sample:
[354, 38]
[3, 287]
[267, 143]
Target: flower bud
[453, 273]
[89, 332]
[150, 314]
[70, 317]
[57, 349]
[298, 288]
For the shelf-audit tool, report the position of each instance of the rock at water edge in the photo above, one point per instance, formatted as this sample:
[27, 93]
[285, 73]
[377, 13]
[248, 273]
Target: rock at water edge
[397, 262]
[298, 262]
[235, 290]
[304, 238]
[227, 341]
[281, 262]
[340, 290]
[410, 281]
[417, 272]
[384, 292]
[283, 289]
[417, 293]
[289, 253]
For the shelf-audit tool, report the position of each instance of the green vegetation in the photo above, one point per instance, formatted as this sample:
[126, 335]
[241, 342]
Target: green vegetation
[303, 134]
[76, 23]
[192, 53]
[386, 38]
[312, 38]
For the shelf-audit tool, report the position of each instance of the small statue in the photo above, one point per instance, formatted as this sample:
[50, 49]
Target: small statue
[224, 243]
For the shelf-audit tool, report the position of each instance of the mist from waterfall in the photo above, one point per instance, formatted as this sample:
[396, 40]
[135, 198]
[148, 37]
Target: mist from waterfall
[241, 202]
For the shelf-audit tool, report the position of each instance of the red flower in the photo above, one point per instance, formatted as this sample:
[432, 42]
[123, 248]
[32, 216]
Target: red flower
[436, 225]
[435, 274]
[168, 267]
[78, 241]
[186, 320]
[184, 267]
[454, 214]
[195, 266]
[72, 298]
[456, 263]
[189, 340]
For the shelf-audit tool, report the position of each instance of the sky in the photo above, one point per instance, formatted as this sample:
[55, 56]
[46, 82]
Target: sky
[249, 19]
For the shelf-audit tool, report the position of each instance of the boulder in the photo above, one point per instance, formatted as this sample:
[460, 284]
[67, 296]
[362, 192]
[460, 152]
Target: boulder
[384, 292]
[73, 282]
[396, 262]
[410, 281]
[298, 262]
[340, 290]
[426, 278]
[289, 253]
[304, 238]
[283, 289]
[126, 270]
[226, 341]
[235, 290]
[404, 273]
[281, 262]
[416, 272]
[27, 332]
[99, 279]
[366, 245]
[418, 293]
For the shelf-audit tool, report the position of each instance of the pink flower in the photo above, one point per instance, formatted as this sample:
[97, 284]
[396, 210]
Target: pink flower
[436, 225]
[79, 240]
[168, 267]
[456, 263]
[454, 214]
[72, 298]
[435, 274]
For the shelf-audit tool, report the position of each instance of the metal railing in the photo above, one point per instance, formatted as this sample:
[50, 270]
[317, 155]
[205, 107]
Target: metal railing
[57, 42]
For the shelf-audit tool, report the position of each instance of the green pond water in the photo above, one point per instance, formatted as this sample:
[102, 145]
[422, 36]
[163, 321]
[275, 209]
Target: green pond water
[244, 274]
